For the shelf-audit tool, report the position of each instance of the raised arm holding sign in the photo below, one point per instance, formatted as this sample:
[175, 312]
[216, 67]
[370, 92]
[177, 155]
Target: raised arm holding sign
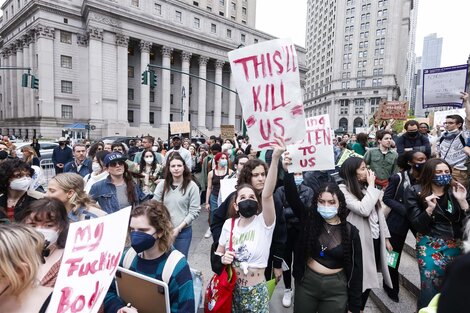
[267, 79]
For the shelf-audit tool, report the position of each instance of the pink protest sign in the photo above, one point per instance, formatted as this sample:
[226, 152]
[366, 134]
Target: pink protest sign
[315, 153]
[268, 83]
[91, 257]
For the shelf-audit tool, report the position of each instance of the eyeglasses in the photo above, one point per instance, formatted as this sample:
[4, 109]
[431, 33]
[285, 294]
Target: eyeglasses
[117, 150]
[116, 163]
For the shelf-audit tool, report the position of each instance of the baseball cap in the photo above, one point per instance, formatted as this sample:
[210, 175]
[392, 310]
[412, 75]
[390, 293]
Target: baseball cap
[112, 157]
[176, 137]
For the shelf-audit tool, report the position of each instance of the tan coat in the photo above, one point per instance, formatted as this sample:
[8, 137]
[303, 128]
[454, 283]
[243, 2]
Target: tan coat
[359, 217]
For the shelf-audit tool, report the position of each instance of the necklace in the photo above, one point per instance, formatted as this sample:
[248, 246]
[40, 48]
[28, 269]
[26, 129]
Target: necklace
[322, 252]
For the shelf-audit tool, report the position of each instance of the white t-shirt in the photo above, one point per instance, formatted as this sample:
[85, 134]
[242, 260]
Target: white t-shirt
[250, 243]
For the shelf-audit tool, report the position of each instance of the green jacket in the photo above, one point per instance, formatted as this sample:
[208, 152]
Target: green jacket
[383, 165]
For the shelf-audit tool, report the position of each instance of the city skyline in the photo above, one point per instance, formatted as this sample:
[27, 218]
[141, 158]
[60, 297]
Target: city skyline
[455, 51]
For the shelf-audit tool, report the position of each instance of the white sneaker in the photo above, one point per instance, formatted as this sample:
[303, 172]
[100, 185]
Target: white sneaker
[287, 299]
[208, 233]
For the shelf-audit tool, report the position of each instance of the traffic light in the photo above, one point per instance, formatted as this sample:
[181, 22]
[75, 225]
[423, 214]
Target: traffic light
[34, 82]
[153, 79]
[24, 80]
[145, 79]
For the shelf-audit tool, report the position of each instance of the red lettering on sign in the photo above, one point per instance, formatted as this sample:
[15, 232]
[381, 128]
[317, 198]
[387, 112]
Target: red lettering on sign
[277, 60]
[307, 162]
[71, 303]
[85, 239]
[250, 121]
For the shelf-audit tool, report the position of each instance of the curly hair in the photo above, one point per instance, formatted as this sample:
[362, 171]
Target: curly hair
[8, 168]
[52, 210]
[73, 181]
[246, 175]
[168, 177]
[314, 223]
[159, 217]
[94, 149]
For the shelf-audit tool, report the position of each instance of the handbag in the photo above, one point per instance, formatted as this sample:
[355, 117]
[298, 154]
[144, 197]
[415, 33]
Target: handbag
[219, 291]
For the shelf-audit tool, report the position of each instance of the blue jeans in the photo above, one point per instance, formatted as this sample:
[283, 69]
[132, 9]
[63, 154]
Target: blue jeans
[213, 205]
[183, 241]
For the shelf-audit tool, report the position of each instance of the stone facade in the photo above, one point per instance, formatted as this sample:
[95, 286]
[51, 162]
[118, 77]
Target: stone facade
[89, 57]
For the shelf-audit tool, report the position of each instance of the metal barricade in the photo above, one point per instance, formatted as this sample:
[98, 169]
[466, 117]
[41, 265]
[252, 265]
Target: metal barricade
[48, 170]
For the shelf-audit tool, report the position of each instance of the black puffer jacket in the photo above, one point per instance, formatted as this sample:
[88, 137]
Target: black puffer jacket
[440, 224]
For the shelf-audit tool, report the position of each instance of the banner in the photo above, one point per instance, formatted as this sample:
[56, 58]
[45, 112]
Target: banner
[227, 131]
[442, 86]
[91, 257]
[397, 110]
[315, 153]
[179, 128]
[268, 83]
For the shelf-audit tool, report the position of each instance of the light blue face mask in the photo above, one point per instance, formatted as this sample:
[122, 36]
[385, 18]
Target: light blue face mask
[223, 163]
[327, 212]
[298, 180]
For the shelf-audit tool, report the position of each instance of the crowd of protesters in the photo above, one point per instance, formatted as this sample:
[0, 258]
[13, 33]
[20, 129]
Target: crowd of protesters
[329, 230]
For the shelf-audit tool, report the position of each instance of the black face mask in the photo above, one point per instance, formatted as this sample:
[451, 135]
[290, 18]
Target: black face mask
[412, 134]
[247, 208]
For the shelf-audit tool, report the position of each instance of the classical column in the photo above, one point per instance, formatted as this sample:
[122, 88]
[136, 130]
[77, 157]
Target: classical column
[5, 83]
[232, 102]
[19, 89]
[45, 49]
[12, 86]
[95, 85]
[145, 47]
[185, 63]
[166, 86]
[34, 108]
[201, 103]
[26, 91]
[219, 64]
[122, 43]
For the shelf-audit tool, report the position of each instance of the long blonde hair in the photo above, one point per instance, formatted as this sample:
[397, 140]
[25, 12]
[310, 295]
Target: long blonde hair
[73, 181]
[32, 154]
[20, 256]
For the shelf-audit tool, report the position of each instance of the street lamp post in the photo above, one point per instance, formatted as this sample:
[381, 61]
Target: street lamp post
[183, 95]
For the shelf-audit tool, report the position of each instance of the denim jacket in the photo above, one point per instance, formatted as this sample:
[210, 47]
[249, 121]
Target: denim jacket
[104, 192]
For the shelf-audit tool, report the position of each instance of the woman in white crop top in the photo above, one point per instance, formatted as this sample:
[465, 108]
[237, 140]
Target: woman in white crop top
[251, 240]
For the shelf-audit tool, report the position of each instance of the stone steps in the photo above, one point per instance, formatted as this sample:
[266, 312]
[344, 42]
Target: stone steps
[409, 283]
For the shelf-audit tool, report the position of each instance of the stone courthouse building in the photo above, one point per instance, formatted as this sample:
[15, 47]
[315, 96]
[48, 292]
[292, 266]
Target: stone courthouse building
[89, 56]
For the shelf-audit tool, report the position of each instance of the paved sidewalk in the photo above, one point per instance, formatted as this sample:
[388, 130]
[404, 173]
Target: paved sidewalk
[199, 259]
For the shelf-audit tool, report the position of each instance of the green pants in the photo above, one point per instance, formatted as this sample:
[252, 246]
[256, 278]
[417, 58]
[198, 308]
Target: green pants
[321, 293]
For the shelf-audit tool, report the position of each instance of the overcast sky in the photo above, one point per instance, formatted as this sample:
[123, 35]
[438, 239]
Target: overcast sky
[449, 19]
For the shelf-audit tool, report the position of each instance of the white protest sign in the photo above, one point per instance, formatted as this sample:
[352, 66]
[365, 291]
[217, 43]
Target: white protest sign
[442, 86]
[227, 186]
[440, 116]
[315, 153]
[268, 83]
[91, 257]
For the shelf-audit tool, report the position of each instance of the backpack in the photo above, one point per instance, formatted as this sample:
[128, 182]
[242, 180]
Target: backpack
[170, 264]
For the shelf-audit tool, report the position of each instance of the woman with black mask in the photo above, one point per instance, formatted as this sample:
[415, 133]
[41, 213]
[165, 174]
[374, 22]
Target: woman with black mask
[410, 163]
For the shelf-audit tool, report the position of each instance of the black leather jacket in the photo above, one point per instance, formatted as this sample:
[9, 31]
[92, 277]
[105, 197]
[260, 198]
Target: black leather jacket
[439, 224]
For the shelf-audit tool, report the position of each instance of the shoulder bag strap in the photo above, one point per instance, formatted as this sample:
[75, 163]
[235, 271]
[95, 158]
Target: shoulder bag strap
[230, 247]
[170, 264]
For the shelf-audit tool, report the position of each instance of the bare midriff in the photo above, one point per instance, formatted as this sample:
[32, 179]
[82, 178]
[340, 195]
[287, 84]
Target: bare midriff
[253, 277]
[320, 269]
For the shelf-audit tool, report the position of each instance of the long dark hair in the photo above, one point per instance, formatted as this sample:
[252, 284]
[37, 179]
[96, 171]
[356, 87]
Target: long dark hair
[143, 164]
[349, 175]
[314, 224]
[130, 185]
[362, 139]
[427, 177]
[169, 177]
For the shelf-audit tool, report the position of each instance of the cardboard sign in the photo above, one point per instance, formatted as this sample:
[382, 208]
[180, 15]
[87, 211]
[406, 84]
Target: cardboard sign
[440, 116]
[315, 153]
[227, 131]
[397, 110]
[90, 260]
[268, 83]
[442, 86]
[180, 128]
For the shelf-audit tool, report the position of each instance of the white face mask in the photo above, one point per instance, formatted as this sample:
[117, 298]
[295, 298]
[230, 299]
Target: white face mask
[50, 235]
[149, 160]
[21, 184]
[96, 167]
